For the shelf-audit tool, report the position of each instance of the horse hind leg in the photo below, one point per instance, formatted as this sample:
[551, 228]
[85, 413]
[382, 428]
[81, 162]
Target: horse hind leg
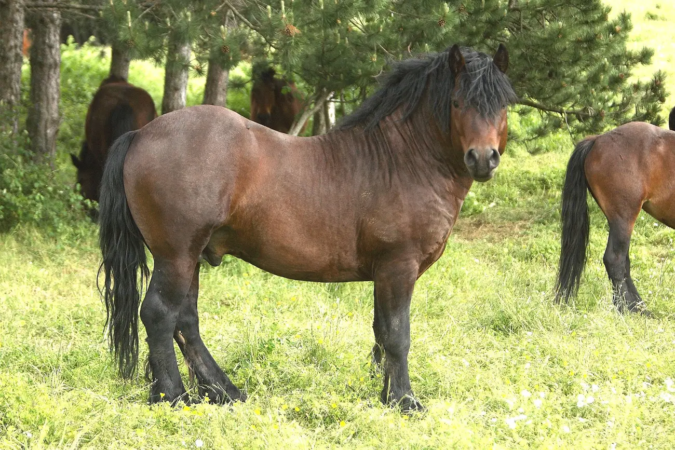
[617, 263]
[212, 381]
[159, 312]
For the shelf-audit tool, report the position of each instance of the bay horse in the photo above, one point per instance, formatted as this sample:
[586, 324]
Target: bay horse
[373, 200]
[626, 169]
[117, 107]
[274, 102]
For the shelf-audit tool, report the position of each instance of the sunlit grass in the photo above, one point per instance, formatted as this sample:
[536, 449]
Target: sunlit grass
[497, 364]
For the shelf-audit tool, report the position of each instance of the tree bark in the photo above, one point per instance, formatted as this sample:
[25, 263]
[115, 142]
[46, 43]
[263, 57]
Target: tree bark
[119, 63]
[176, 74]
[319, 123]
[11, 37]
[45, 63]
[320, 98]
[215, 91]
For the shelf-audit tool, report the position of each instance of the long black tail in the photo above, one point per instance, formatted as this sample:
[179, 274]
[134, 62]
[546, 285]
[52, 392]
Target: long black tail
[671, 120]
[575, 224]
[121, 121]
[123, 253]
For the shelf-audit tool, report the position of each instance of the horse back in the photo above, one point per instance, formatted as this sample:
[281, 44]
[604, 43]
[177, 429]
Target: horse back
[117, 107]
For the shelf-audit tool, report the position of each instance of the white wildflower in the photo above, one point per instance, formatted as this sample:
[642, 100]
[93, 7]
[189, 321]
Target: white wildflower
[199, 443]
[511, 421]
[525, 393]
[670, 384]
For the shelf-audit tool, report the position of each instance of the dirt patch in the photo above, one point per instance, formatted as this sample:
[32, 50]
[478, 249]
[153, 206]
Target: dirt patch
[473, 228]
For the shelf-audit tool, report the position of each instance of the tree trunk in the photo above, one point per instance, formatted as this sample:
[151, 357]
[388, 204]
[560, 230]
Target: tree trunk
[119, 63]
[11, 37]
[319, 123]
[215, 91]
[45, 62]
[176, 75]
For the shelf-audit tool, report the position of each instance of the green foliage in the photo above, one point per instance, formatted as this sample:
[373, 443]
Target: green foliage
[568, 58]
[34, 194]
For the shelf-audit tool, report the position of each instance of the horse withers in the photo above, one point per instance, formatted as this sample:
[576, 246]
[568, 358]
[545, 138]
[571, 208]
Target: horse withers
[627, 169]
[274, 102]
[117, 107]
[373, 200]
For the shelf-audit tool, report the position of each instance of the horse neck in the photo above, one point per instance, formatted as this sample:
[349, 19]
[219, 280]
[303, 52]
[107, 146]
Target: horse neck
[414, 151]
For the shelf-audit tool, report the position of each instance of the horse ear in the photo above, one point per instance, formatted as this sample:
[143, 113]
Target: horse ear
[455, 60]
[76, 162]
[501, 58]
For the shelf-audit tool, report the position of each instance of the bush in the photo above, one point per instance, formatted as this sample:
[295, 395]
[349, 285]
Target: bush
[34, 194]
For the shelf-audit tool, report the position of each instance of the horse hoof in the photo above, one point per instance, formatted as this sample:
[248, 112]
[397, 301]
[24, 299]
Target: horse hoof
[219, 396]
[409, 404]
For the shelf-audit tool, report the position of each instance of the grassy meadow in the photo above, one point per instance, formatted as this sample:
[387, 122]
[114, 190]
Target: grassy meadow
[495, 362]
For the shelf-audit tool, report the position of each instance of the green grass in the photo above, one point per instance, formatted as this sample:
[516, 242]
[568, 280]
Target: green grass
[654, 27]
[496, 363]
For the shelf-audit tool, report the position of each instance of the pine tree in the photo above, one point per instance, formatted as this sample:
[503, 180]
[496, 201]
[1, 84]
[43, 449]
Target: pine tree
[11, 36]
[568, 58]
[42, 122]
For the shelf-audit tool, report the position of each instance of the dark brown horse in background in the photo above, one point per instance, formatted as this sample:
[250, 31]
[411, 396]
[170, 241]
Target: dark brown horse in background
[274, 102]
[374, 200]
[117, 107]
[627, 169]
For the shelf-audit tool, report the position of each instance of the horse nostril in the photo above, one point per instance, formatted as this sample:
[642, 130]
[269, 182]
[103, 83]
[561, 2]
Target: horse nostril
[471, 157]
[494, 159]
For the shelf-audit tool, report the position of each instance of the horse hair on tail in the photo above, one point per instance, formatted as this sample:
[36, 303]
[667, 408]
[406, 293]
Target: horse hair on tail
[121, 120]
[575, 223]
[671, 120]
[123, 252]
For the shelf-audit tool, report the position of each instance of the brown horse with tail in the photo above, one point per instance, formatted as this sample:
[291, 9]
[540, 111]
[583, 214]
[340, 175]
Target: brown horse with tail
[626, 169]
[374, 200]
[117, 107]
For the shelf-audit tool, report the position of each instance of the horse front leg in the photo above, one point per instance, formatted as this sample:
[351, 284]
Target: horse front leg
[394, 283]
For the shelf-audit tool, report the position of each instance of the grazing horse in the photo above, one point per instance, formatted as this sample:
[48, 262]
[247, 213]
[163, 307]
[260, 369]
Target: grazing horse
[626, 169]
[373, 200]
[274, 102]
[117, 107]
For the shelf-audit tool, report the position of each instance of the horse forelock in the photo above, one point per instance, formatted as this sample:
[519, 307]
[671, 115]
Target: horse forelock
[482, 86]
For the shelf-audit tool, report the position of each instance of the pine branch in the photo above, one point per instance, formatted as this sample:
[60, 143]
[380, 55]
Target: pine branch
[586, 112]
[40, 5]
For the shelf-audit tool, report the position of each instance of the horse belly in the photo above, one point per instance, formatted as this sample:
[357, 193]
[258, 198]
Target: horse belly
[290, 254]
[662, 209]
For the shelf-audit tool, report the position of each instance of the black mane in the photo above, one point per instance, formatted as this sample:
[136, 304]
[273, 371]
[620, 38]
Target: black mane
[482, 86]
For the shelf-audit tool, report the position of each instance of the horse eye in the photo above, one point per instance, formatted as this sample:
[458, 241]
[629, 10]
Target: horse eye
[455, 104]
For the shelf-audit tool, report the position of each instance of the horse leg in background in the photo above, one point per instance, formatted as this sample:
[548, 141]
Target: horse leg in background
[617, 263]
[394, 285]
[159, 312]
[213, 382]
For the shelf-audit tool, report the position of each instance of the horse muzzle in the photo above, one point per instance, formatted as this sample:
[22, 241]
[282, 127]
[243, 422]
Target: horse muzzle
[482, 164]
